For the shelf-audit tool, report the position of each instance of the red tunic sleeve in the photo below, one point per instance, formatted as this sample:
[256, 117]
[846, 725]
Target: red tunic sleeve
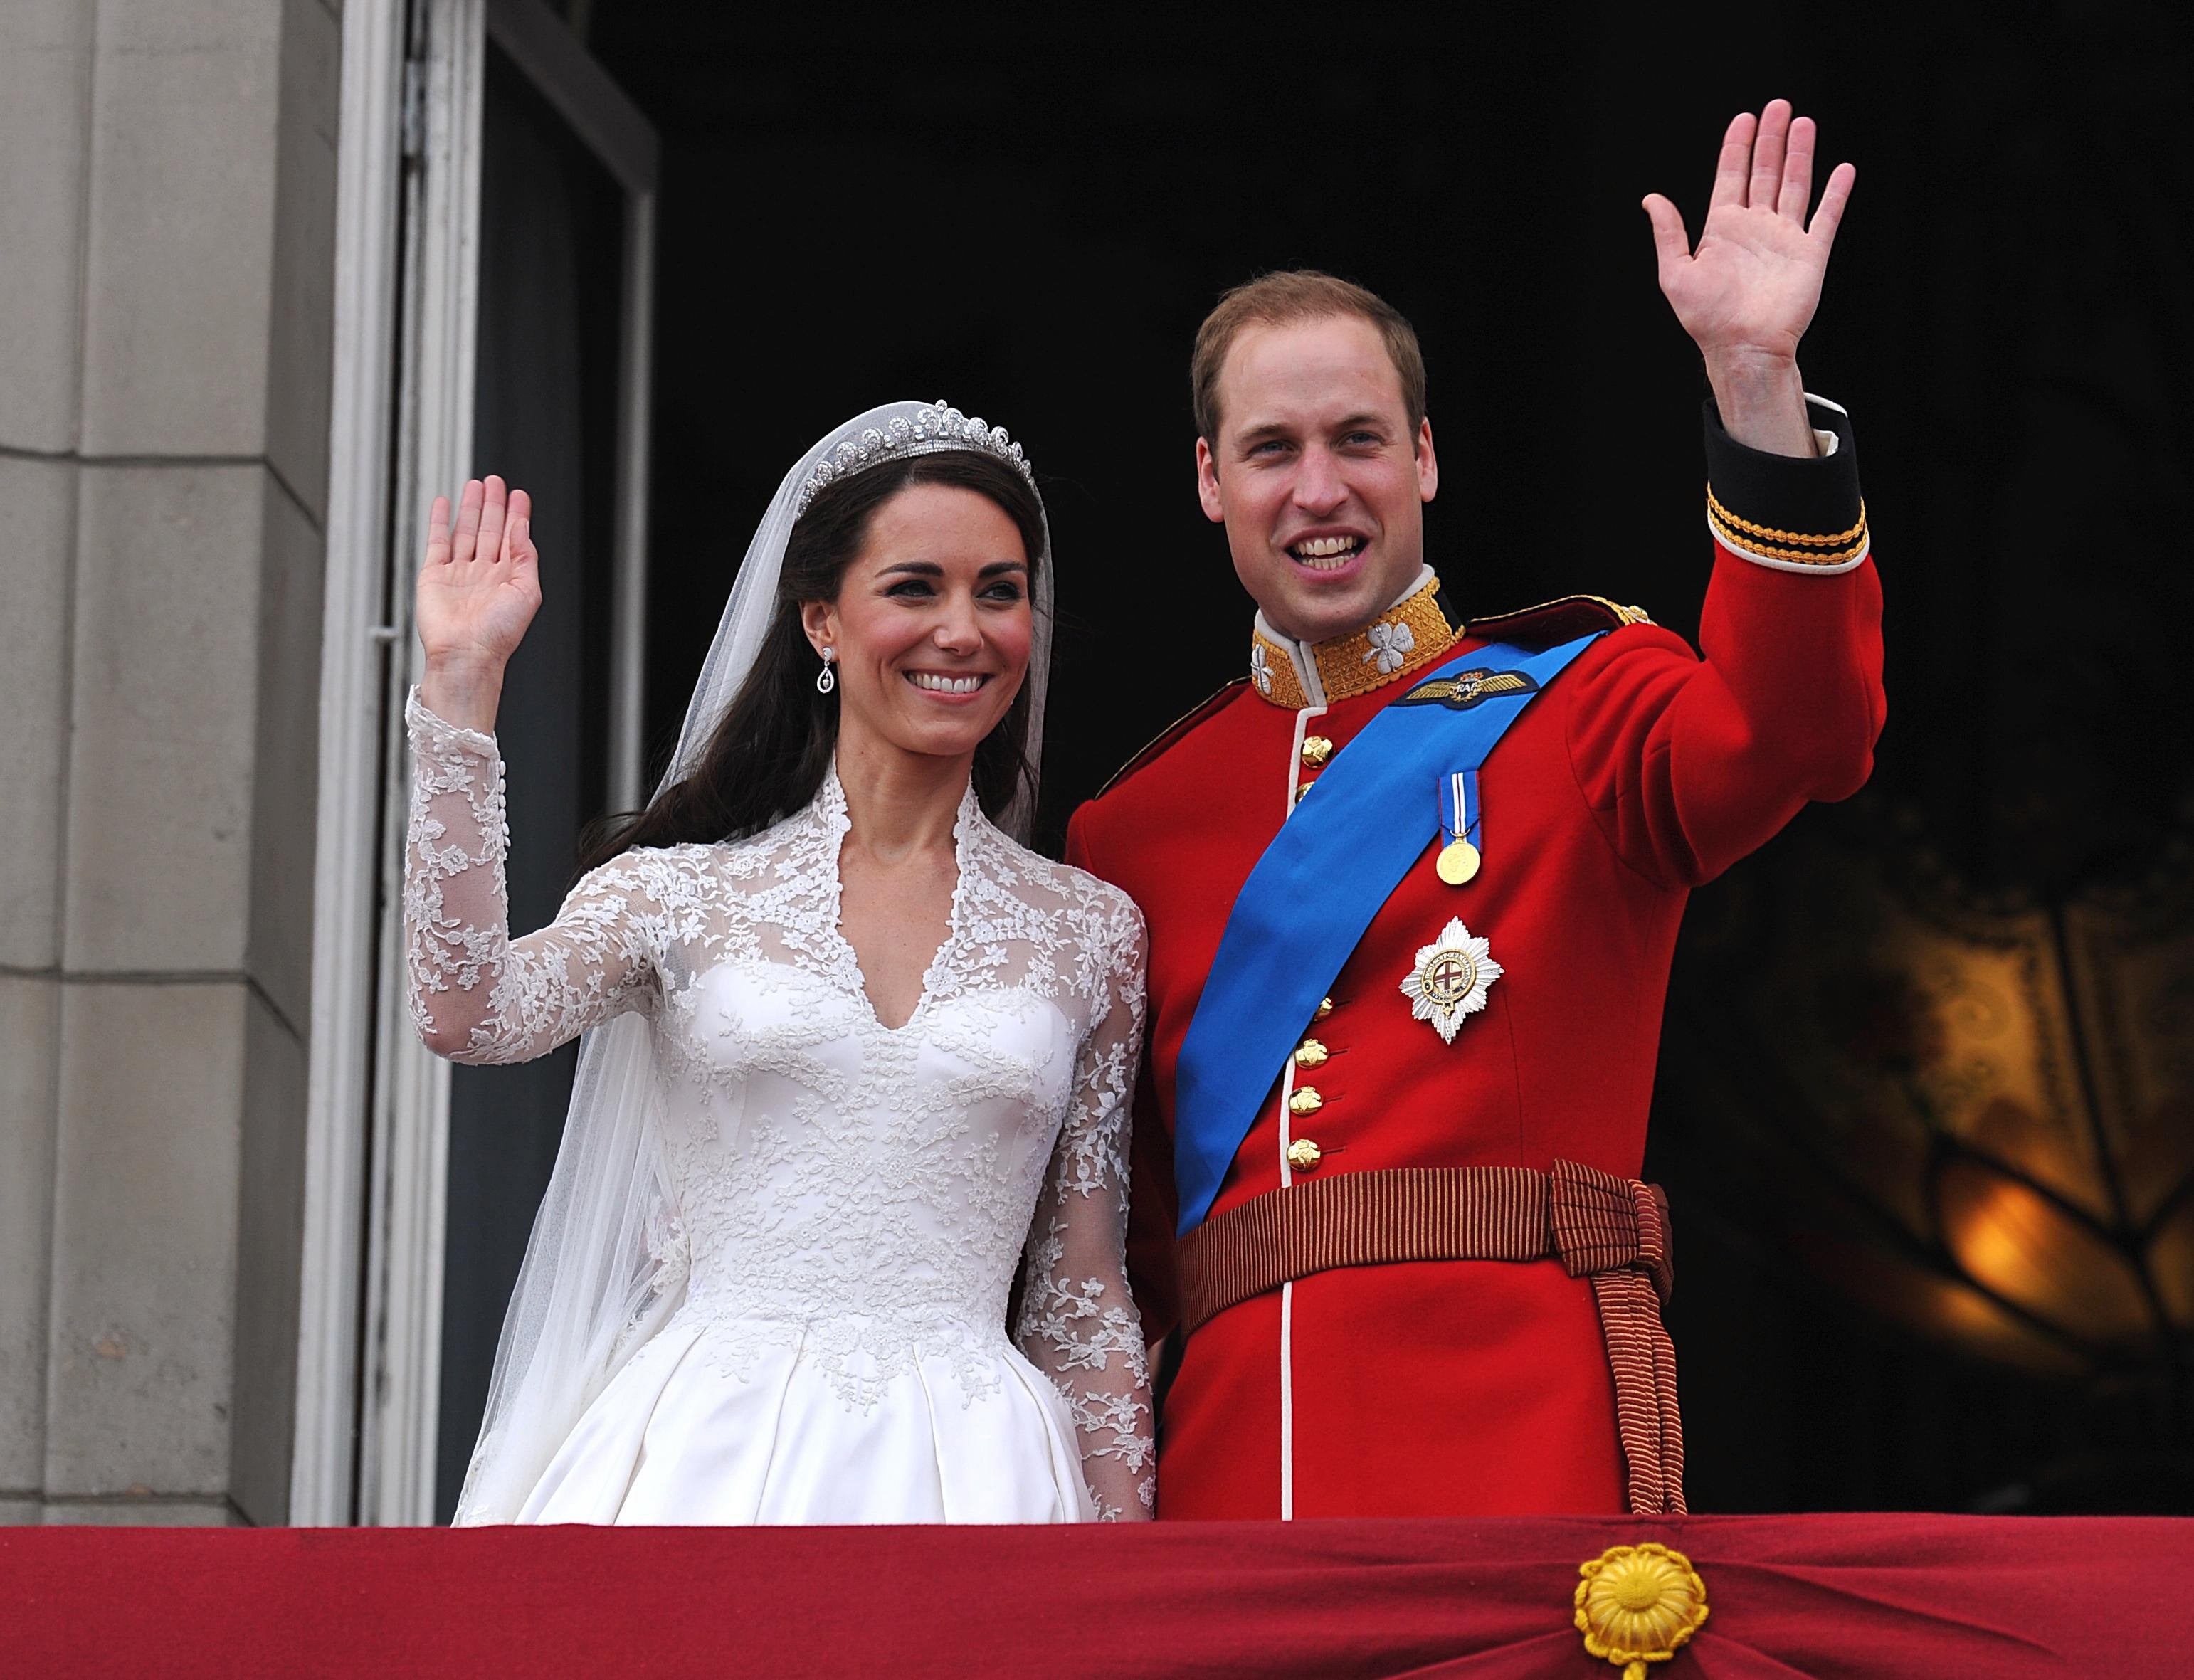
[1688, 763]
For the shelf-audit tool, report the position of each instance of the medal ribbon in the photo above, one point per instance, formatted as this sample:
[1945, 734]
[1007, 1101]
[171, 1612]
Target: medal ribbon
[1460, 817]
[1325, 875]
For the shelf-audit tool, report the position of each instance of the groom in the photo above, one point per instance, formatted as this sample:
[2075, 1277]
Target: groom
[1413, 885]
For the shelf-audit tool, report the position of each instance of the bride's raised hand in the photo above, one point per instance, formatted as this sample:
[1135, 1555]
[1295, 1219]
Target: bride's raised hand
[477, 592]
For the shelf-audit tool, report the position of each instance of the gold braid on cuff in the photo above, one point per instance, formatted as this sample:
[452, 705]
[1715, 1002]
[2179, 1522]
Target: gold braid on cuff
[1795, 547]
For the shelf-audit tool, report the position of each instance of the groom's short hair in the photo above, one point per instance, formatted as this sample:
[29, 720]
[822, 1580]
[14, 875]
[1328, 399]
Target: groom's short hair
[1282, 299]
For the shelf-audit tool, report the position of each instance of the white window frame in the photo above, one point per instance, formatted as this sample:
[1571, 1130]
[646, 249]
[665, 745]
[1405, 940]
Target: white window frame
[406, 265]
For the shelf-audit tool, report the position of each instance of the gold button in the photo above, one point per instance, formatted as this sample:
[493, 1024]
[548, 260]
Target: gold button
[1317, 749]
[1310, 1053]
[1303, 1154]
[1305, 1101]
[1324, 1009]
[1302, 788]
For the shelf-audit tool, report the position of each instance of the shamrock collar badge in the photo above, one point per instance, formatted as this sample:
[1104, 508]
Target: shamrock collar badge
[1450, 980]
[1391, 646]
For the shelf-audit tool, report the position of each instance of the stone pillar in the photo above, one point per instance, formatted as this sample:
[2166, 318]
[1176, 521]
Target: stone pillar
[165, 345]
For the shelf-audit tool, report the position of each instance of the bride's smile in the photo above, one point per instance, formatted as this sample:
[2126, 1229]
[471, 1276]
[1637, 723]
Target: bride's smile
[949, 685]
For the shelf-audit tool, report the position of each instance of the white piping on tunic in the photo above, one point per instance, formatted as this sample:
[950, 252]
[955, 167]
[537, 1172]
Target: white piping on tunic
[1287, 1313]
[1295, 757]
[1287, 1403]
[1287, 1178]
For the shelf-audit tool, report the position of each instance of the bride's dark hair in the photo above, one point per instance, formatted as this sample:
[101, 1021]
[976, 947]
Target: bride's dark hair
[767, 756]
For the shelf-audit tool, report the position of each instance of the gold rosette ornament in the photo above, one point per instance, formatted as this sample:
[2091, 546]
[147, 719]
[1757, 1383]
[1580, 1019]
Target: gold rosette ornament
[1639, 1605]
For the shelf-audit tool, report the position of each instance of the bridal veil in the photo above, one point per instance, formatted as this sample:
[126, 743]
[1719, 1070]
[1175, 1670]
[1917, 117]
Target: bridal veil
[605, 1266]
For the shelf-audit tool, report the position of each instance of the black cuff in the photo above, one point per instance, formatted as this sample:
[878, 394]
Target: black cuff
[1793, 514]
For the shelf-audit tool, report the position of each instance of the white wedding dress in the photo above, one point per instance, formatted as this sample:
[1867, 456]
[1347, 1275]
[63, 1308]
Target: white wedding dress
[847, 1201]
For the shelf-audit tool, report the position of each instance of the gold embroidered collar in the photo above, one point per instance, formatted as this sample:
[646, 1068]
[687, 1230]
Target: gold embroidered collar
[1406, 638]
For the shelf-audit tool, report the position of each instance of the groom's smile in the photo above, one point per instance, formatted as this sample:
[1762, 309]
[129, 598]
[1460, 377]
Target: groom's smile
[1328, 552]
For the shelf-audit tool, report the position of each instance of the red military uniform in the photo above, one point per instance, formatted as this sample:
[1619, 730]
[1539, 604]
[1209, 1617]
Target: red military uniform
[1477, 1386]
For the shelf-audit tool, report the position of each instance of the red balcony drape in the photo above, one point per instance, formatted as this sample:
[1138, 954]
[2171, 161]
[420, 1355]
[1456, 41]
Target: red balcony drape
[1849, 1597]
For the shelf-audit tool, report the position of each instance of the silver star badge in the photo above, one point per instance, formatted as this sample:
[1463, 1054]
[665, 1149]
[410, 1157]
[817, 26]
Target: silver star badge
[1451, 979]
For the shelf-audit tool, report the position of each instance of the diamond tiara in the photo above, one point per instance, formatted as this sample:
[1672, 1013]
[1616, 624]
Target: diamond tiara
[936, 427]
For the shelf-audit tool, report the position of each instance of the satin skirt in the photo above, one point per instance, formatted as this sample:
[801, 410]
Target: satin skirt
[706, 1424]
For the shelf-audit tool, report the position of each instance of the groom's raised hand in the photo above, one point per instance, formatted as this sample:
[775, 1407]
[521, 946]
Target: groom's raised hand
[1748, 292]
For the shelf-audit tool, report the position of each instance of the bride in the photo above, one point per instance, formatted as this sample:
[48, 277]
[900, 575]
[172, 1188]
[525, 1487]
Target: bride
[851, 1052]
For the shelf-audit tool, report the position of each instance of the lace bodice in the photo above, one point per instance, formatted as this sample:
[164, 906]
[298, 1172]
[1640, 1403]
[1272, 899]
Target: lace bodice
[863, 1188]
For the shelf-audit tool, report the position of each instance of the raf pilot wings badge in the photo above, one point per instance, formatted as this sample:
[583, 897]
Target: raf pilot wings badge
[1467, 689]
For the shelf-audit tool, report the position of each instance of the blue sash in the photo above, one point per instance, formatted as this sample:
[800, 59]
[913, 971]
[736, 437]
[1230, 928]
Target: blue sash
[1319, 885]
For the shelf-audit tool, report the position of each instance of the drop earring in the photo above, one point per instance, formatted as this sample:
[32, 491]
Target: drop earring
[826, 679]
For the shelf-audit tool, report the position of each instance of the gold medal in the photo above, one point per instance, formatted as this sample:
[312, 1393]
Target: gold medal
[1457, 862]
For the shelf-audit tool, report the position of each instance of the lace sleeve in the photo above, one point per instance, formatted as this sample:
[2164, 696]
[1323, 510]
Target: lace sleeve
[1078, 1322]
[478, 996]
